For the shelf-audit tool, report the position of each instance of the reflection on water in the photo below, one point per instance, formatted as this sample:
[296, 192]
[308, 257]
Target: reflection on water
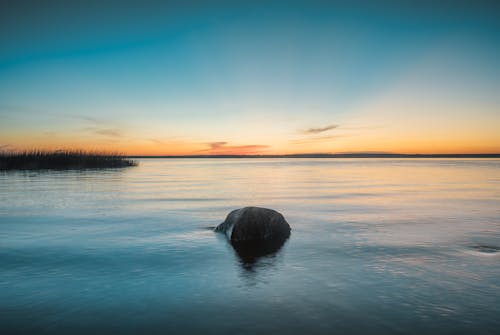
[378, 246]
[260, 270]
[250, 252]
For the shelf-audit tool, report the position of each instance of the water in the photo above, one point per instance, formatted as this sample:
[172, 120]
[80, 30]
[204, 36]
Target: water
[377, 246]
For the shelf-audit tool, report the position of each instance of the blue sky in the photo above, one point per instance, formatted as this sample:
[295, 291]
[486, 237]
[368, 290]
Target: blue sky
[156, 77]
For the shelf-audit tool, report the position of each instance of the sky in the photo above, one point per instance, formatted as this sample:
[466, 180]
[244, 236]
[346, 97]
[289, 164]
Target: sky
[250, 77]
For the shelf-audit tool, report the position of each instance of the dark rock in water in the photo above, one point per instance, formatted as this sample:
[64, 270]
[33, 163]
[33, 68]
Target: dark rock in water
[255, 231]
[254, 224]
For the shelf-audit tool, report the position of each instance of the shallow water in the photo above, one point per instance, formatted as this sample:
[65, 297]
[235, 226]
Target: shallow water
[377, 246]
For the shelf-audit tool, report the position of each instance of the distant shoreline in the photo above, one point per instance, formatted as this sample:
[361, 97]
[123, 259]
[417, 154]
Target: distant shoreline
[346, 155]
[62, 160]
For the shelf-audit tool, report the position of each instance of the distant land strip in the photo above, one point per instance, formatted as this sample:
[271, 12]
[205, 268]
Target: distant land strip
[340, 155]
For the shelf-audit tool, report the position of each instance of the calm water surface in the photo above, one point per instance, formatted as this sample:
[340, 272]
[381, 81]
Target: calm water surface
[377, 246]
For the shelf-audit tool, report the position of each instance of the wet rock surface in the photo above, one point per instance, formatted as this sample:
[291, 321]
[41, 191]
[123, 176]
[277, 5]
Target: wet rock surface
[255, 232]
[254, 224]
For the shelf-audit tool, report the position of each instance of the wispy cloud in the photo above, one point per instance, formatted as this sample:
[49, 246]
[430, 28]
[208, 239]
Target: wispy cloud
[320, 129]
[91, 119]
[216, 145]
[24, 110]
[314, 135]
[101, 127]
[223, 148]
[157, 141]
[316, 139]
[18, 111]
[107, 132]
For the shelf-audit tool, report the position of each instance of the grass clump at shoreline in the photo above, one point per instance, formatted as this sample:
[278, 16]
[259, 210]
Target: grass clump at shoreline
[62, 160]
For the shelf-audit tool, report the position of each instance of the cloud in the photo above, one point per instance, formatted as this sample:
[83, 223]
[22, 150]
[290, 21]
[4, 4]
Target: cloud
[316, 139]
[89, 119]
[157, 141]
[222, 148]
[216, 145]
[108, 132]
[27, 111]
[320, 129]
[15, 112]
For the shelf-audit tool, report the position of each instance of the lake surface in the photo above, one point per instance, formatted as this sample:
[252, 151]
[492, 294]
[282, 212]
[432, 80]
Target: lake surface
[377, 246]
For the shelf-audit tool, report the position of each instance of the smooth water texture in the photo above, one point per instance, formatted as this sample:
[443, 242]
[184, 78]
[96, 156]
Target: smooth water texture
[377, 246]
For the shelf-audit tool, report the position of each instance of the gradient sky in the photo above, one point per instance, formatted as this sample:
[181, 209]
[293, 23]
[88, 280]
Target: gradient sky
[235, 77]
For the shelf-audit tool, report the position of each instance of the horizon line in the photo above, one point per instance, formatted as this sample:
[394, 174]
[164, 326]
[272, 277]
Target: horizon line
[327, 155]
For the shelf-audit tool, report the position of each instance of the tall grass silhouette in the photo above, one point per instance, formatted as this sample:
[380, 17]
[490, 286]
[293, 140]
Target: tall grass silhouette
[62, 160]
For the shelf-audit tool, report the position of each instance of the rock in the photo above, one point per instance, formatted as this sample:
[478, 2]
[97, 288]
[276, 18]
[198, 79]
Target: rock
[254, 224]
[255, 232]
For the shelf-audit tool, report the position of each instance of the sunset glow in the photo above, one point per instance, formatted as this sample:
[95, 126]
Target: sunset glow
[245, 78]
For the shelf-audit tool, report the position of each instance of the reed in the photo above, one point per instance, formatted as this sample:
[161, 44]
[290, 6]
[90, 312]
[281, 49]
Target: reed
[62, 160]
